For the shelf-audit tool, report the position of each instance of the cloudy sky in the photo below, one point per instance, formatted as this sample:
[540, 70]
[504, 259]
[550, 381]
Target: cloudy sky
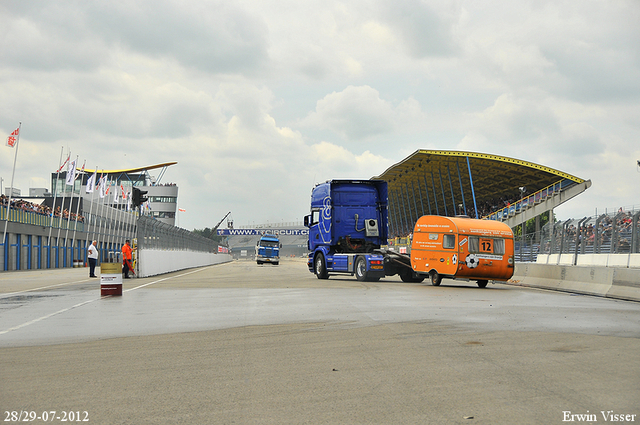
[259, 100]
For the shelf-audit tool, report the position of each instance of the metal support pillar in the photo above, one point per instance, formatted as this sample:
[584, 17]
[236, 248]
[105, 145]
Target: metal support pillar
[420, 196]
[435, 196]
[407, 218]
[401, 228]
[453, 199]
[473, 191]
[444, 200]
[426, 191]
[464, 205]
[406, 186]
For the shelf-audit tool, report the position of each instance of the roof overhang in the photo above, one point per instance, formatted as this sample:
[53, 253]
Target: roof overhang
[440, 182]
[131, 170]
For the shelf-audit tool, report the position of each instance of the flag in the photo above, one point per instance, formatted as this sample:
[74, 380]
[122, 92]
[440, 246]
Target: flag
[13, 138]
[124, 195]
[91, 183]
[115, 194]
[182, 210]
[102, 190]
[71, 173]
[100, 187]
[64, 163]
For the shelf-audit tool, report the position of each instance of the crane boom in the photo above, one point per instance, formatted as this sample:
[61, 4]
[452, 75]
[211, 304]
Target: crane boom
[220, 222]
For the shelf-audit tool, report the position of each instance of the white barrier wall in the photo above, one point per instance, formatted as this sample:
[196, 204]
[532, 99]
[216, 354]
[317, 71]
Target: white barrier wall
[601, 260]
[612, 282]
[154, 262]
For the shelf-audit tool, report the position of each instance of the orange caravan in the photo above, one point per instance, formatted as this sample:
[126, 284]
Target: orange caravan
[462, 248]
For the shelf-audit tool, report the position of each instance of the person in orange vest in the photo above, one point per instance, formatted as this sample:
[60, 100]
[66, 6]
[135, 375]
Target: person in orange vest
[126, 259]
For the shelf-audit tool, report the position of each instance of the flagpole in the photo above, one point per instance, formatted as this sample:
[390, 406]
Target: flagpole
[104, 214]
[53, 208]
[101, 213]
[73, 183]
[93, 189]
[64, 193]
[13, 173]
[109, 221]
[75, 224]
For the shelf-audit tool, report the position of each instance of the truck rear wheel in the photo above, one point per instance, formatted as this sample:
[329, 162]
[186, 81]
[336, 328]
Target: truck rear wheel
[482, 283]
[319, 267]
[435, 278]
[361, 269]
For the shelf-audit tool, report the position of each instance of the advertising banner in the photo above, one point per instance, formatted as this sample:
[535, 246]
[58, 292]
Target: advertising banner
[260, 232]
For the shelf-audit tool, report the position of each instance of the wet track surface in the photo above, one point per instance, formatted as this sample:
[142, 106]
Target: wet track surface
[241, 343]
[202, 299]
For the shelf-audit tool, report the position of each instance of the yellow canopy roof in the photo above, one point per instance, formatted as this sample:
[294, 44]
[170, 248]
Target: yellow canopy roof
[131, 170]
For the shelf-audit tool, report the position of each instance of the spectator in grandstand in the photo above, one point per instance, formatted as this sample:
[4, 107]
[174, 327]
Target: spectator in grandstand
[92, 255]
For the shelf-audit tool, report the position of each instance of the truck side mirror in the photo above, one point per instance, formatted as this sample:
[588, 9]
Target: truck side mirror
[306, 220]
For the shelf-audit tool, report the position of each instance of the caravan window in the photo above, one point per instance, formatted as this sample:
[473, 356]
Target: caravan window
[486, 245]
[448, 241]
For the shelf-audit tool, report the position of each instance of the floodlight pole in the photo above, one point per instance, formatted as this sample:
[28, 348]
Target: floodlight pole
[522, 191]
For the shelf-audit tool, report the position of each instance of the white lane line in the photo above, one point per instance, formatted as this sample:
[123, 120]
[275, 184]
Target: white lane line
[95, 299]
[167, 278]
[45, 317]
[43, 287]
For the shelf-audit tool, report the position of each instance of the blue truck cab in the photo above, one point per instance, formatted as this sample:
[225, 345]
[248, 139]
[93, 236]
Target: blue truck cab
[347, 224]
[268, 250]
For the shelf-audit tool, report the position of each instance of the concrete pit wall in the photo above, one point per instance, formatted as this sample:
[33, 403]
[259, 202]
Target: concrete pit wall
[611, 282]
[154, 262]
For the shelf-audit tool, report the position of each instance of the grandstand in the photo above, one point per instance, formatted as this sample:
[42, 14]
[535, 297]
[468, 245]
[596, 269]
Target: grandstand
[475, 184]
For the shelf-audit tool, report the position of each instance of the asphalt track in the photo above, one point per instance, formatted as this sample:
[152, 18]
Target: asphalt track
[244, 344]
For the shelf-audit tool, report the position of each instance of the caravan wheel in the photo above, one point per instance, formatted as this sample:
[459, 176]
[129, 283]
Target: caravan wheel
[435, 278]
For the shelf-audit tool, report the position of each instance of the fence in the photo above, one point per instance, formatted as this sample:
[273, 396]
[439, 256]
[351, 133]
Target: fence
[39, 219]
[155, 235]
[616, 233]
[164, 248]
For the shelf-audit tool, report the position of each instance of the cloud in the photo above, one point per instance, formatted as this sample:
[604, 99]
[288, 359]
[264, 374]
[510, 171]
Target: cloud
[211, 35]
[426, 31]
[534, 122]
[355, 113]
[257, 101]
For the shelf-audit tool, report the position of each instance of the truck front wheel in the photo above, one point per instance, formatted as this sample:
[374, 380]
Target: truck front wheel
[319, 267]
[482, 283]
[361, 269]
[435, 278]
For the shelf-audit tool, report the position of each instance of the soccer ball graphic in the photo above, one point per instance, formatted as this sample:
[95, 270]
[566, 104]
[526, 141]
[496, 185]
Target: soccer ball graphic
[471, 261]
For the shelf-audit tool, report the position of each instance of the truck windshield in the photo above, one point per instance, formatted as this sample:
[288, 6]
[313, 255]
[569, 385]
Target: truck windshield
[271, 244]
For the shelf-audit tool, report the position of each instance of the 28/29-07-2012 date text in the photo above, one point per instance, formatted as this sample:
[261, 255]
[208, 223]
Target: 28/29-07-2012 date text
[46, 416]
